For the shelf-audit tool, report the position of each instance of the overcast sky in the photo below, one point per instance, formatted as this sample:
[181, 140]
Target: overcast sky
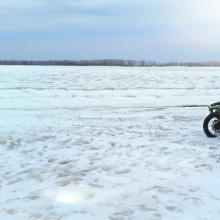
[161, 30]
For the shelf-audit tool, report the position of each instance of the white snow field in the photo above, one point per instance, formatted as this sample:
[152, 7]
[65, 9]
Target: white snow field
[108, 143]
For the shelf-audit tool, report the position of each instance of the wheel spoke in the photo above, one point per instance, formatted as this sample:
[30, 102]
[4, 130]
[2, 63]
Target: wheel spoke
[211, 126]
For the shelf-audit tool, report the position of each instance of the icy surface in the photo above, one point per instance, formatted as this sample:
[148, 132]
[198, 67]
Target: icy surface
[82, 143]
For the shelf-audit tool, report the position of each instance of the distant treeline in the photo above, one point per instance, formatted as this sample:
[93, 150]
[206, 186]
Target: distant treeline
[105, 62]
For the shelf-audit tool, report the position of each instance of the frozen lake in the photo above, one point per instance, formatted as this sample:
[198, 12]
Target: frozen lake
[108, 143]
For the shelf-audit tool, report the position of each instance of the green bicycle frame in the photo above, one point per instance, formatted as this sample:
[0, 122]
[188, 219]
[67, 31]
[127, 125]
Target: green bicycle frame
[214, 108]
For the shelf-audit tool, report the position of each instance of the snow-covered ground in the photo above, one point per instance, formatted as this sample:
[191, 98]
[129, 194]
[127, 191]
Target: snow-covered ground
[108, 143]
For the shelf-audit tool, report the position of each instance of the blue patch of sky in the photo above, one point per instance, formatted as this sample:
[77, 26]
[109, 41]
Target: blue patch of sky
[159, 30]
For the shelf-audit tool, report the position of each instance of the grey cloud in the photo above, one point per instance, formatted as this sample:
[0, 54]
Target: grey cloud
[141, 24]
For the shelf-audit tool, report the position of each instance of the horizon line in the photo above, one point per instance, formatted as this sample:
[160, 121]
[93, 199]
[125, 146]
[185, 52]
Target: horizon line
[105, 62]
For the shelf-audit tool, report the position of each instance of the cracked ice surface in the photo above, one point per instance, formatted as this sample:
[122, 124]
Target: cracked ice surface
[107, 143]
